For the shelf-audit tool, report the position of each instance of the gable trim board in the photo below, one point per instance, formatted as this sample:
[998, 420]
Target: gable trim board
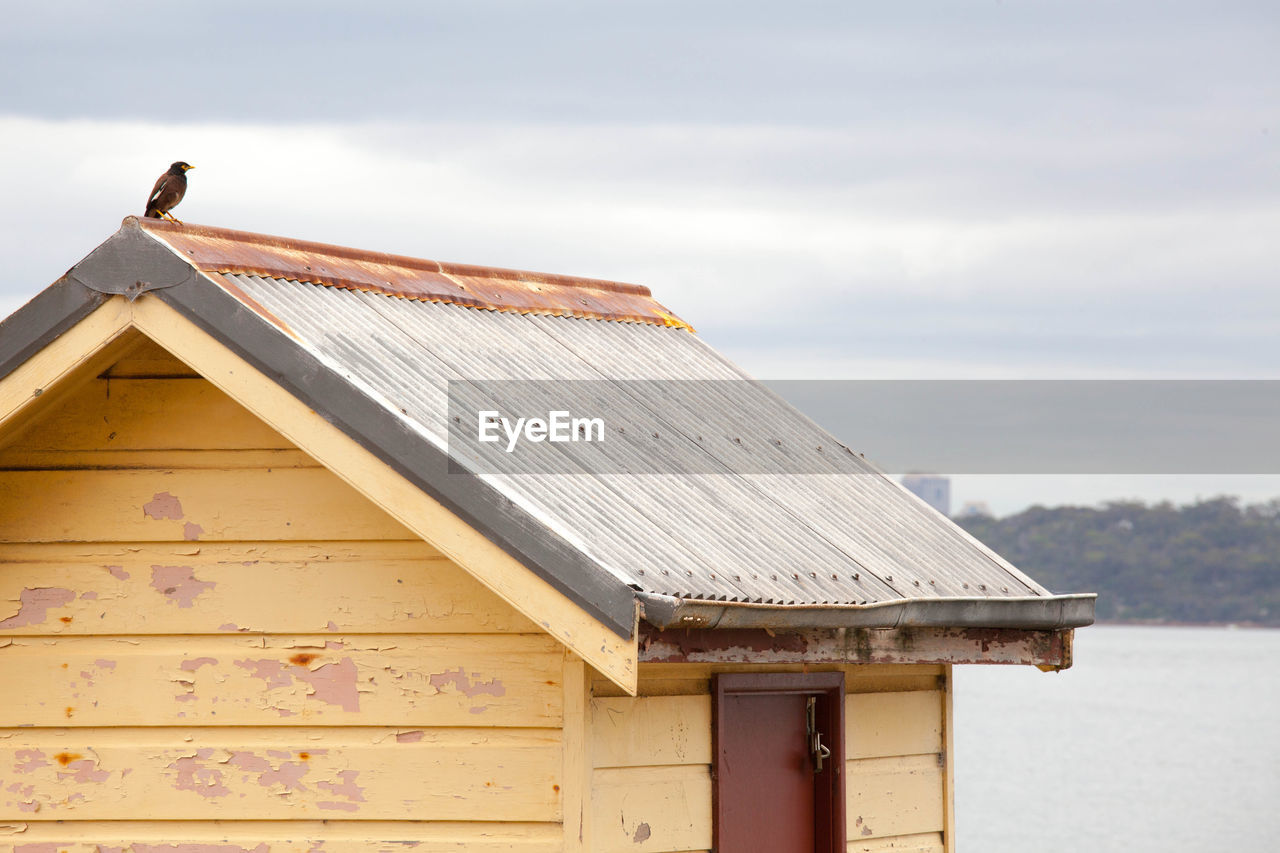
[138, 279]
[27, 381]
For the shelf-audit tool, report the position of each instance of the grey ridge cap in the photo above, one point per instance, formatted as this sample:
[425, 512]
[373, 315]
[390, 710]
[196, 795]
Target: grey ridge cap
[135, 261]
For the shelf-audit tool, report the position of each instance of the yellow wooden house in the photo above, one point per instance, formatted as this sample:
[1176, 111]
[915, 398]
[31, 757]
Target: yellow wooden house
[259, 593]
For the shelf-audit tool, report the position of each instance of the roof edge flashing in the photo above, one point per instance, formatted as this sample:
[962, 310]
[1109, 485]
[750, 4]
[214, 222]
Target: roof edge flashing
[43, 319]
[1029, 612]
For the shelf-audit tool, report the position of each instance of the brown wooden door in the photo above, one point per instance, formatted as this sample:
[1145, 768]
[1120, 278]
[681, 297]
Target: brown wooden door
[766, 776]
[768, 796]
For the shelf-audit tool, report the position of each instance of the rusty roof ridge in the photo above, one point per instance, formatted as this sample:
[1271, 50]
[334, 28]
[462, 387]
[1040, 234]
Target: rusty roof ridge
[1052, 612]
[406, 261]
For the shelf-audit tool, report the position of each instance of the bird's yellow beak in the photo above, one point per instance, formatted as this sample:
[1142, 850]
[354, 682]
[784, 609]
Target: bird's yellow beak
[187, 168]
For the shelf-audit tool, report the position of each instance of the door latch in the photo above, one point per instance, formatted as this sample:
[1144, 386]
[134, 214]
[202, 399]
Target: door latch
[817, 749]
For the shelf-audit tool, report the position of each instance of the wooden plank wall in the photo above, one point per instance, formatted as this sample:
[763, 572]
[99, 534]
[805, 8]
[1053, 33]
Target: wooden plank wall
[206, 639]
[651, 756]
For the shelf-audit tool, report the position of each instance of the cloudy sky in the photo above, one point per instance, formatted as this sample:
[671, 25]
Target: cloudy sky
[826, 190]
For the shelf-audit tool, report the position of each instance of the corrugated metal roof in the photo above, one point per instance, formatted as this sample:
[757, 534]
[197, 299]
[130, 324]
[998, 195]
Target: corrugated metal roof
[834, 538]
[369, 343]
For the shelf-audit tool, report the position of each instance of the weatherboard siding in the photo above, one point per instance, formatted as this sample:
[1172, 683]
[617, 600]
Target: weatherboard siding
[651, 758]
[210, 640]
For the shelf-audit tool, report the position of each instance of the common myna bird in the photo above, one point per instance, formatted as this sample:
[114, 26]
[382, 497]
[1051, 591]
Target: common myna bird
[168, 191]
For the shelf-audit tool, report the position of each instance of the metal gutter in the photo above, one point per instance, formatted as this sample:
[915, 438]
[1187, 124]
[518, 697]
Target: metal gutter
[1029, 612]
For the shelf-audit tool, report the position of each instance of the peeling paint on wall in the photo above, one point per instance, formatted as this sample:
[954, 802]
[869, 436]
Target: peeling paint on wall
[346, 788]
[187, 848]
[163, 505]
[192, 664]
[464, 685]
[193, 773]
[34, 605]
[206, 774]
[288, 774]
[179, 584]
[273, 672]
[111, 747]
[28, 760]
[334, 683]
[188, 682]
[84, 770]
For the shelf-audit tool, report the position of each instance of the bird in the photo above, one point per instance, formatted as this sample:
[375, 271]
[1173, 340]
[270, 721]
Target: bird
[168, 191]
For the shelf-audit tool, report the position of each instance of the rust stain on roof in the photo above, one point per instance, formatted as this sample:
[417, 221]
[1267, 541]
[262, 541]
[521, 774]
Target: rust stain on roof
[221, 250]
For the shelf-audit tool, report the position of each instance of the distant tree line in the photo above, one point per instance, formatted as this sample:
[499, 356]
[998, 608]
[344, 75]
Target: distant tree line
[1212, 561]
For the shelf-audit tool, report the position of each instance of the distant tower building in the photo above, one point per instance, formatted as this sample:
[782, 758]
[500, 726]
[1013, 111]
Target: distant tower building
[933, 489]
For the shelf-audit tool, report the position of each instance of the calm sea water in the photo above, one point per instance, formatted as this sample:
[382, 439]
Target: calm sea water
[1157, 739]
